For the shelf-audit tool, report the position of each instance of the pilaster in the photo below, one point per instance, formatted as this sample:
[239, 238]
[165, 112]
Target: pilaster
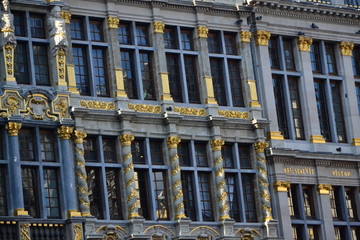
[281, 189]
[325, 212]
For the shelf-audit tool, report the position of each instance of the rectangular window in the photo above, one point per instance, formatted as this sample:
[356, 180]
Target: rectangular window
[142, 35]
[127, 62]
[338, 111]
[297, 232]
[3, 192]
[187, 40]
[308, 201]
[52, 198]
[37, 26]
[216, 65]
[232, 196]
[188, 191]
[94, 185]
[355, 233]
[322, 109]
[172, 61]
[91, 149]
[334, 203]
[295, 104]
[96, 31]
[214, 42]
[100, 72]
[235, 83]
[30, 190]
[124, 33]
[142, 188]
[313, 232]
[292, 201]
[184, 154]
[230, 44]
[350, 203]
[137, 151]
[315, 56]
[41, 64]
[357, 86]
[113, 193]
[288, 54]
[227, 156]
[160, 195]
[26, 145]
[77, 29]
[109, 150]
[245, 158]
[280, 105]
[170, 38]
[47, 146]
[330, 58]
[356, 61]
[192, 78]
[205, 196]
[19, 23]
[156, 152]
[340, 233]
[147, 75]
[249, 197]
[81, 69]
[21, 64]
[201, 155]
[274, 53]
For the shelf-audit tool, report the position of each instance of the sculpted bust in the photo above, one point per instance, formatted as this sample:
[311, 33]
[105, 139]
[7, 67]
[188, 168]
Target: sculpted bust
[56, 26]
[7, 25]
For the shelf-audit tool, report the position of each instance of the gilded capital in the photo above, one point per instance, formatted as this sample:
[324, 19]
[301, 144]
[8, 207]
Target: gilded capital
[172, 142]
[324, 189]
[216, 144]
[65, 132]
[260, 146]
[245, 36]
[66, 16]
[281, 186]
[346, 48]
[262, 38]
[202, 31]
[79, 136]
[304, 43]
[13, 128]
[159, 27]
[355, 142]
[113, 22]
[126, 139]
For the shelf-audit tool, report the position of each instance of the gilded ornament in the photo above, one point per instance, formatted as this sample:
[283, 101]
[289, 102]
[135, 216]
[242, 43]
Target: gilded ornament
[145, 108]
[179, 207]
[177, 184]
[245, 36]
[128, 168]
[174, 158]
[222, 197]
[274, 136]
[25, 231]
[13, 128]
[304, 43]
[175, 170]
[224, 208]
[262, 38]
[97, 105]
[113, 22]
[65, 132]
[221, 184]
[79, 151]
[216, 144]
[66, 16]
[356, 141]
[248, 234]
[178, 195]
[126, 139]
[234, 114]
[12, 103]
[79, 136]
[220, 172]
[130, 181]
[159, 27]
[9, 59]
[127, 156]
[172, 142]
[202, 31]
[78, 234]
[346, 48]
[62, 106]
[132, 195]
[190, 111]
[324, 189]
[38, 107]
[281, 186]
[218, 160]
[317, 139]
[260, 146]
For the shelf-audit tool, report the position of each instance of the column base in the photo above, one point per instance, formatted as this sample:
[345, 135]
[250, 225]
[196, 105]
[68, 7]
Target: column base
[275, 136]
[21, 212]
[73, 213]
[317, 139]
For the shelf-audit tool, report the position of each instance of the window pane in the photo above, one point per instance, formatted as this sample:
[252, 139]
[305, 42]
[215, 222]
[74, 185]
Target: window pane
[274, 54]
[214, 42]
[172, 61]
[230, 44]
[113, 192]
[90, 149]
[187, 40]
[315, 56]
[160, 195]
[188, 190]
[147, 76]
[340, 233]
[232, 196]
[170, 38]
[21, 64]
[156, 152]
[109, 149]
[297, 232]
[235, 83]
[191, 78]
[37, 26]
[137, 151]
[96, 30]
[26, 145]
[245, 159]
[330, 58]
[357, 86]
[295, 104]
[81, 70]
[322, 109]
[142, 187]
[350, 203]
[127, 63]
[218, 80]
[356, 61]
[3, 192]
[334, 203]
[142, 35]
[201, 155]
[124, 33]
[249, 197]
[280, 105]
[19, 24]
[288, 54]
[184, 155]
[338, 111]
[100, 72]
[93, 182]
[52, 198]
[227, 156]
[41, 64]
[47, 145]
[77, 29]
[313, 232]
[30, 191]
[308, 201]
[205, 197]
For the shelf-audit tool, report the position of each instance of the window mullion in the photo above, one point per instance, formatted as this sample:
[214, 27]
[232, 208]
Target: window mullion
[104, 193]
[289, 112]
[41, 191]
[241, 199]
[185, 93]
[227, 82]
[324, 66]
[330, 111]
[138, 74]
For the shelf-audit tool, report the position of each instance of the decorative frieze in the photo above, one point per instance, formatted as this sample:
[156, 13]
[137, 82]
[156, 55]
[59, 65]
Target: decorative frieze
[234, 114]
[97, 105]
[190, 111]
[113, 22]
[262, 38]
[145, 108]
[346, 48]
[159, 27]
[202, 31]
[245, 36]
[304, 43]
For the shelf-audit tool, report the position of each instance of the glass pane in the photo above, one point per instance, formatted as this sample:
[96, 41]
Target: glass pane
[322, 109]
[192, 78]
[109, 149]
[315, 57]
[93, 182]
[296, 107]
[280, 105]
[288, 54]
[81, 69]
[21, 63]
[160, 195]
[90, 149]
[227, 155]
[26, 145]
[147, 76]
[19, 23]
[170, 38]
[142, 35]
[184, 155]
[175, 85]
[338, 111]
[77, 29]
[137, 151]
[214, 42]
[156, 152]
[188, 190]
[41, 64]
[113, 192]
[249, 197]
[100, 72]
[141, 183]
[37, 26]
[127, 63]
[30, 191]
[124, 33]
[187, 40]
[235, 83]
[230, 44]
[232, 196]
[47, 145]
[96, 30]
[217, 74]
[274, 53]
[201, 155]
[205, 196]
[52, 193]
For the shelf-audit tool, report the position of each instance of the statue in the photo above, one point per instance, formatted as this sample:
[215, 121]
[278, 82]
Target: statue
[56, 26]
[7, 25]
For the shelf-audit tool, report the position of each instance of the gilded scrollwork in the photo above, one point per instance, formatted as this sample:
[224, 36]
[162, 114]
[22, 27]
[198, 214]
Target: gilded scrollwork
[190, 111]
[11, 104]
[97, 105]
[78, 232]
[234, 114]
[145, 108]
[37, 106]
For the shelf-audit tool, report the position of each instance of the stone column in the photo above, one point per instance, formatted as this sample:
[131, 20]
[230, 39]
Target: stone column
[80, 173]
[178, 197]
[17, 197]
[263, 181]
[262, 57]
[351, 112]
[310, 116]
[206, 86]
[223, 208]
[65, 133]
[281, 189]
[325, 208]
[132, 194]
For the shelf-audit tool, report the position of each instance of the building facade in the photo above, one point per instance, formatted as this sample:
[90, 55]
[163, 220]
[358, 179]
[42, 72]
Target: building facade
[180, 119]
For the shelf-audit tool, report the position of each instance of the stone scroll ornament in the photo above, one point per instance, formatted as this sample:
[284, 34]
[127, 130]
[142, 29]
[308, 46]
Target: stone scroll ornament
[132, 194]
[57, 27]
[263, 181]
[216, 145]
[172, 143]
[80, 173]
